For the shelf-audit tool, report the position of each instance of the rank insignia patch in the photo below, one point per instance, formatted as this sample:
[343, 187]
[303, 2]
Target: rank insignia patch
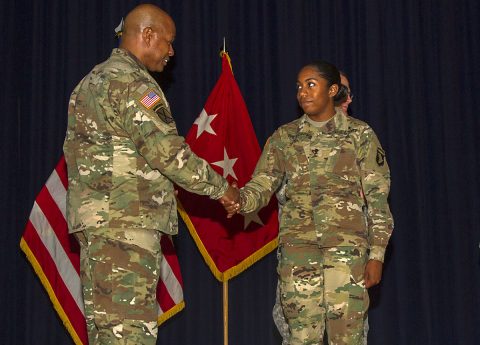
[150, 99]
[380, 157]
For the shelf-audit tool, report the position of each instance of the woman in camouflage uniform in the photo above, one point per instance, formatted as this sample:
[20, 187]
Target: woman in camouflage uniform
[335, 223]
[277, 311]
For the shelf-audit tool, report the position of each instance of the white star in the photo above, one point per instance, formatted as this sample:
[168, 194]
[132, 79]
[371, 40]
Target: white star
[251, 217]
[227, 165]
[203, 121]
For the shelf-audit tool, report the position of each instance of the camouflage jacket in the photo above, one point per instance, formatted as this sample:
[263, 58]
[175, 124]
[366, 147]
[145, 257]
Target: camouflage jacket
[337, 184]
[123, 152]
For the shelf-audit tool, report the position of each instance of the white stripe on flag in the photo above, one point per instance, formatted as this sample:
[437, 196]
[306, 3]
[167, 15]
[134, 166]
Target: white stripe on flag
[57, 191]
[173, 286]
[62, 261]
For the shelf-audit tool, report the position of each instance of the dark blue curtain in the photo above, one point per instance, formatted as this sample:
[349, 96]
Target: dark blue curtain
[413, 66]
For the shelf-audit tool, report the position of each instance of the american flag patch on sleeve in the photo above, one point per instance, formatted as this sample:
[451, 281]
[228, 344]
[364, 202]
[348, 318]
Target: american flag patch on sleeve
[150, 99]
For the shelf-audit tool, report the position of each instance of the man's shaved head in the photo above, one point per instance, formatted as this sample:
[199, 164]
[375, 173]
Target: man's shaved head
[143, 16]
[148, 33]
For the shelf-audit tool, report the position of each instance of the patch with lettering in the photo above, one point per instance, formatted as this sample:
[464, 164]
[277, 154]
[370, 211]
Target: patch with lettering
[150, 99]
[163, 113]
[380, 156]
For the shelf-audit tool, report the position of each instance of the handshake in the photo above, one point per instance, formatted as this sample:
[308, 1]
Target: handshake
[231, 200]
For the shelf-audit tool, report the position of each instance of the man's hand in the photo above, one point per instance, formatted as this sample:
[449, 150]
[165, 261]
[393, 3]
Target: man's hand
[373, 273]
[231, 200]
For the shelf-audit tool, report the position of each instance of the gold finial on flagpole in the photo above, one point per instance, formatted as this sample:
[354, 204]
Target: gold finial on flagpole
[224, 52]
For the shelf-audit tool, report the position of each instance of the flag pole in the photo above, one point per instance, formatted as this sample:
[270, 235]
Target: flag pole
[225, 312]
[225, 282]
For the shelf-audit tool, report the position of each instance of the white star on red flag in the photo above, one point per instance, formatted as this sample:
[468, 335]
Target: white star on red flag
[203, 122]
[251, 217]
[227, 165]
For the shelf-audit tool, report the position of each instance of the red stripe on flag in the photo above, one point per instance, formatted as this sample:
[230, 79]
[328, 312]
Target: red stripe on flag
[61, 169]
[163, 297]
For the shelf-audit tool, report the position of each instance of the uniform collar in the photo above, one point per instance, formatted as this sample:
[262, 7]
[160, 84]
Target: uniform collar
[338, 123]
[125, 53]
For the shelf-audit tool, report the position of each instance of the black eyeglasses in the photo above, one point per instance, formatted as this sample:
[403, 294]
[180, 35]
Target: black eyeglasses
[350, 94]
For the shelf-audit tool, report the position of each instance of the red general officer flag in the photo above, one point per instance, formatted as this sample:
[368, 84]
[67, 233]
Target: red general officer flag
[54, 255]
[223, 135]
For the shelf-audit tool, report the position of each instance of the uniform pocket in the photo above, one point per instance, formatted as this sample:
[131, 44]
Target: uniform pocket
[343, 165]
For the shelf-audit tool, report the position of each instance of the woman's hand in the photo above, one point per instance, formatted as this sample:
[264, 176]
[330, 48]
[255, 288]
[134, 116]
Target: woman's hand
[373, 273]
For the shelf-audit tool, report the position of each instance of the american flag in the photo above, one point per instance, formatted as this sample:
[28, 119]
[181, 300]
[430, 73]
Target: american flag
[54, 255]
[150, 99]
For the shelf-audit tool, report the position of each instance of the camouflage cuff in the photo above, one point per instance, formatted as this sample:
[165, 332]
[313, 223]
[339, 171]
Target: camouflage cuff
[244, 206]
[242, 202]
[376, 253]
[220, 192]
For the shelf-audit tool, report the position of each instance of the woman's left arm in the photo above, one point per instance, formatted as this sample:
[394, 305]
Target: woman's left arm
[375, 175]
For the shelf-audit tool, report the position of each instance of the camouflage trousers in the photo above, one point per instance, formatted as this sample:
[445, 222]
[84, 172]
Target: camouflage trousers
[282, 326]
[323, 289]
[120, 269]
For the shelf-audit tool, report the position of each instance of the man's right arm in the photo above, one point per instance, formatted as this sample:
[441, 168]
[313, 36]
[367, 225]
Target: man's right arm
[155, 136]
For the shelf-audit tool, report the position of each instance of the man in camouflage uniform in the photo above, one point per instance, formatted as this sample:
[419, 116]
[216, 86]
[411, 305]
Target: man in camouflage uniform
[335, 223]
[123, 153]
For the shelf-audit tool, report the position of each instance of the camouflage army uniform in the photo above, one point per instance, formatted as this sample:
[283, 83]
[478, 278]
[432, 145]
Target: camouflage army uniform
[123, 153]
[277, 311]
[334, 219]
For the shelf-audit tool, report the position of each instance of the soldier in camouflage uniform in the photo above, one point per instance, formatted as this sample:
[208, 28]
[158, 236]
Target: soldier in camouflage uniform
[335, 223]
[277, 311]
[123, 152]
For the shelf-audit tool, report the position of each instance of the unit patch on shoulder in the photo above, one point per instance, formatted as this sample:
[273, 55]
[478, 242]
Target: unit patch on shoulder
[163, 113]
[380, 157]
[150, 99]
